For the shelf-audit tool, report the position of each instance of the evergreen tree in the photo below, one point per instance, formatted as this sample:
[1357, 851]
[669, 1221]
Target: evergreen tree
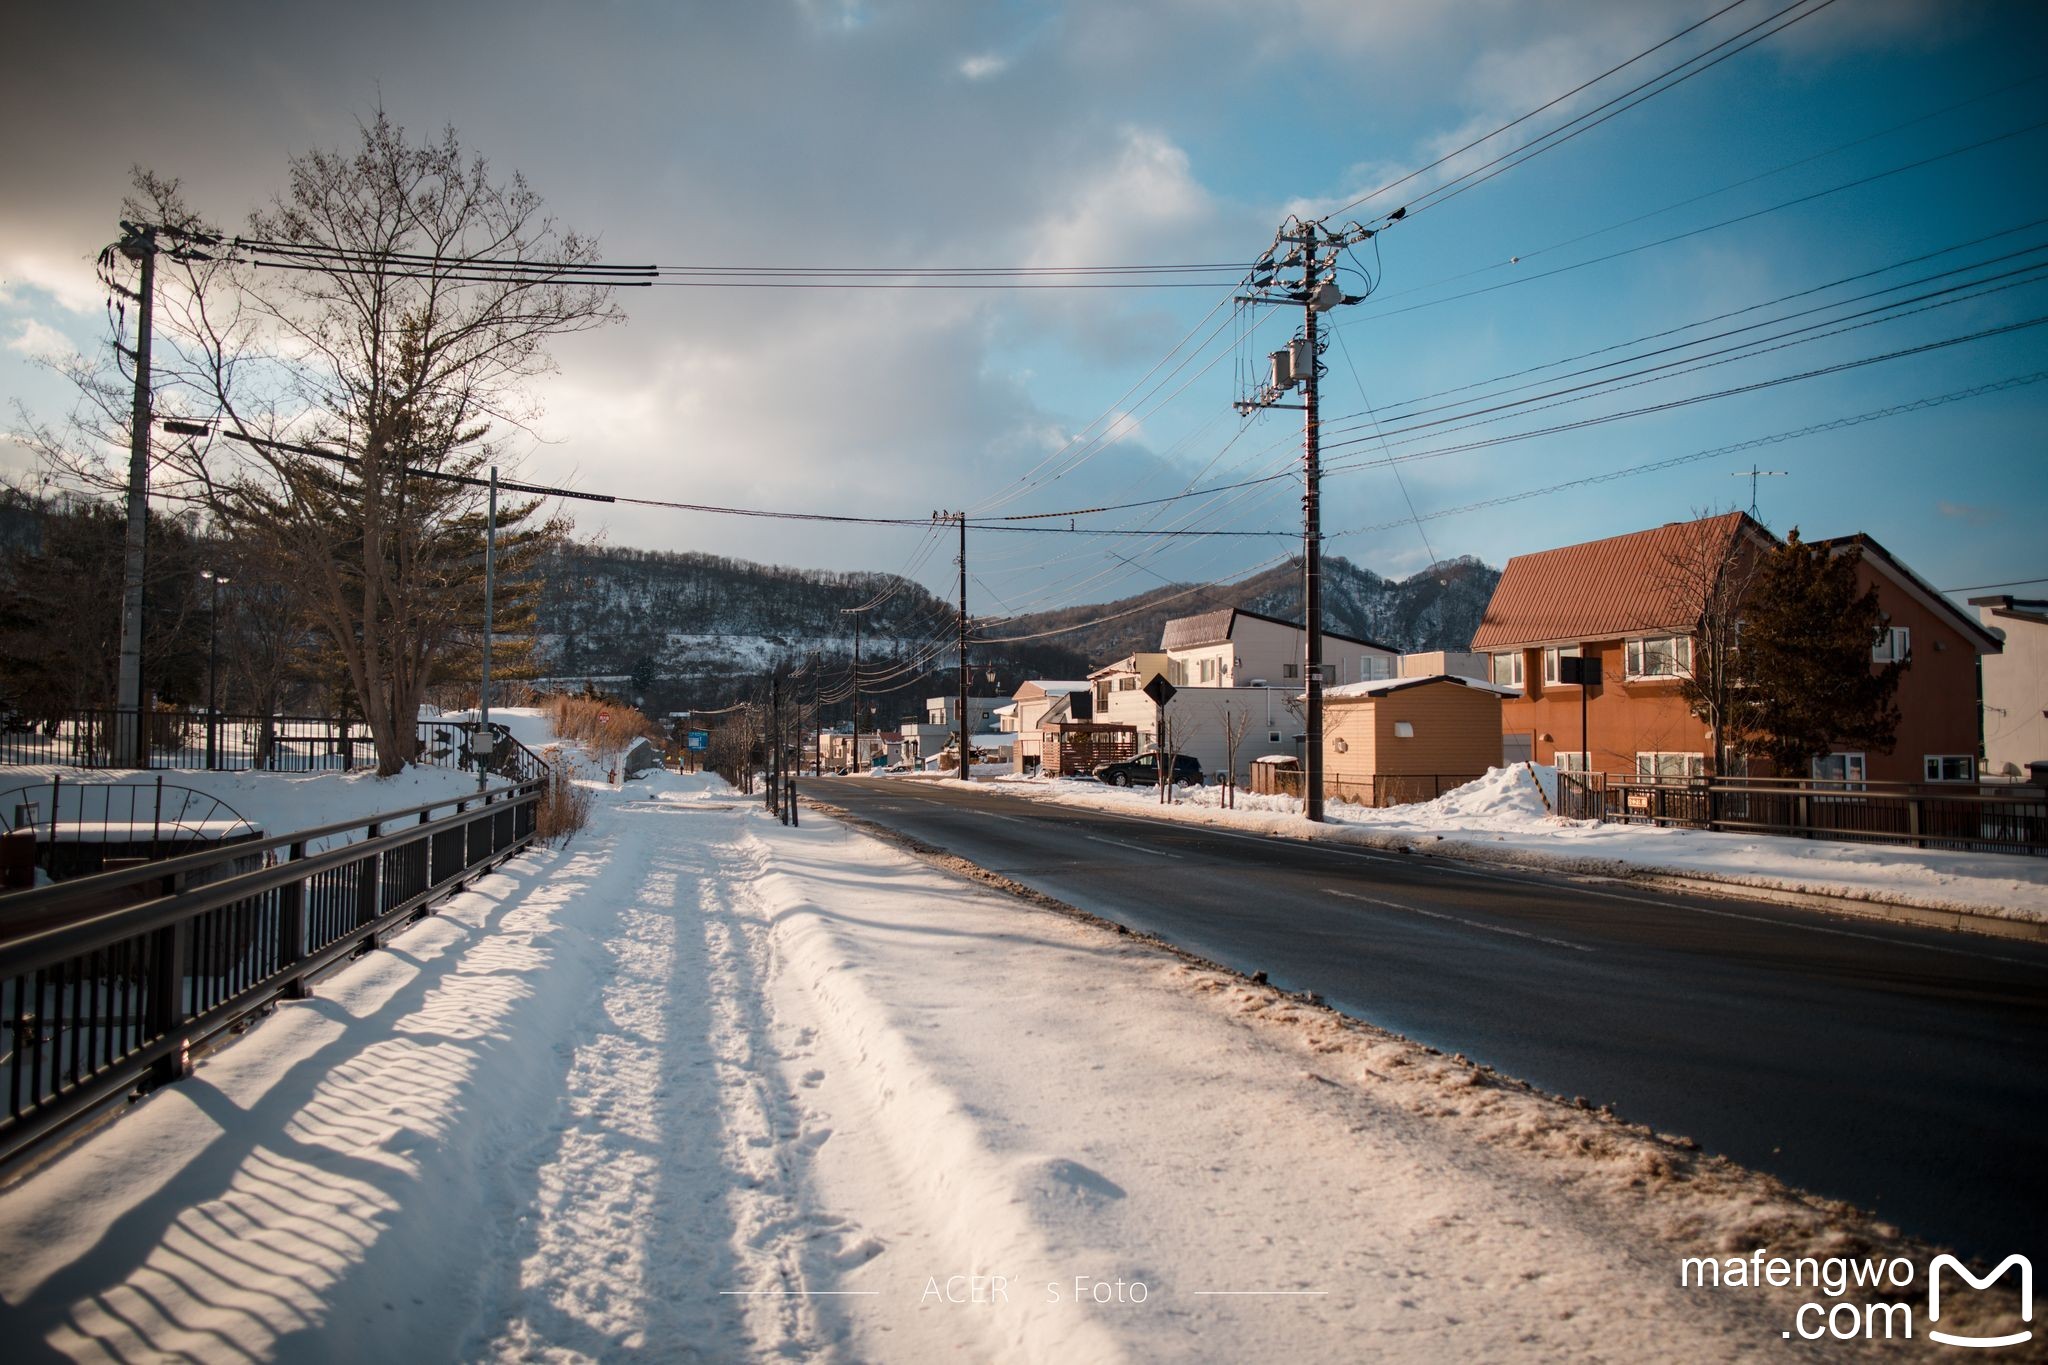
[1807, 636]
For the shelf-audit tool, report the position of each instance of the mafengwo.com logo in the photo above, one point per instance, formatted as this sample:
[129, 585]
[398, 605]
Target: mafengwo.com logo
[1869, 1298]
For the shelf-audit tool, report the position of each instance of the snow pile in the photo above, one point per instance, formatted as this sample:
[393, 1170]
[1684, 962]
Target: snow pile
[1502, 818]
[700, 1083]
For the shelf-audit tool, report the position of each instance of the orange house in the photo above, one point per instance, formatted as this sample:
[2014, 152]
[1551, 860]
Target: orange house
[1625, 600]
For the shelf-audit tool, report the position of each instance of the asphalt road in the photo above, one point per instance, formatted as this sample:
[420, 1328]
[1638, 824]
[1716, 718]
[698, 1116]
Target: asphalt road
[1904, 1069]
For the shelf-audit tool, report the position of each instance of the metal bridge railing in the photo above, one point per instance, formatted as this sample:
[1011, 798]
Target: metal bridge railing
[108, 982]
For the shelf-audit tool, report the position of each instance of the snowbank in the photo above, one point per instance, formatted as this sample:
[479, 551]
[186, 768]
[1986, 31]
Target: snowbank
[1505, 817]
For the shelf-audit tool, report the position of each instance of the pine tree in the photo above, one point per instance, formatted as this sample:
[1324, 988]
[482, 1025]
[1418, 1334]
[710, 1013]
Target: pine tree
[1807, 635]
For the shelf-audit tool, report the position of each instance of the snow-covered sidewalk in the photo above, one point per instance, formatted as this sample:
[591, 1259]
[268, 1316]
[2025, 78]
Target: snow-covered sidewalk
[1506, 817]
[698, 1086]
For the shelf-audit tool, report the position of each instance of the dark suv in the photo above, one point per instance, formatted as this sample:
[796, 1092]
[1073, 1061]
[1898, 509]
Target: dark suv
[1143, 771]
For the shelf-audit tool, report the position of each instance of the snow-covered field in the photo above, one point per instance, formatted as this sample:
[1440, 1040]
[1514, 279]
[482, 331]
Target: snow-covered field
[1503, 817]
[698, 1086]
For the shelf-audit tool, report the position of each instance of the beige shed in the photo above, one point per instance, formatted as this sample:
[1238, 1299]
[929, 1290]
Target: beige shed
[1395, 740]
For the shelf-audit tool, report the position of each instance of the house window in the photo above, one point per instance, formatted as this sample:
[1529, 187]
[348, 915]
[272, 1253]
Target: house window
[1272, 736]
[1950, 767]
[1550, 658]
[1177, 672]
[1372, 667]
[1209, 670]
[1845, 769]
[1895, 647]
[1662, 766]
[1507, 668]
[1572, 762]
[1659, 656]
[1127, 684]
[1290, 670]
[1404, 729]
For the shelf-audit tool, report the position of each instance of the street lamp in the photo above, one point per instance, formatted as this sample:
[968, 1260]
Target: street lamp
[217, 582]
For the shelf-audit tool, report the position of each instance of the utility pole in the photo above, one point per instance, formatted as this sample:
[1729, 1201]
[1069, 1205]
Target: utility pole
[966, 755]
[131, 738]
[853, 764]
[485, 735]
[1307, 252]
[775, 744]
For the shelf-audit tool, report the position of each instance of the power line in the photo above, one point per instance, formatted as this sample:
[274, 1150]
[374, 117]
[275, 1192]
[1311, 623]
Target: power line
[1551, 104]
[2014, 583]
[1794, 202]
[1739, 447]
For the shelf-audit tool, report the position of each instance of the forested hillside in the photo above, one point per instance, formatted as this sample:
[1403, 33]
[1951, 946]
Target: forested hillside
[694, 630]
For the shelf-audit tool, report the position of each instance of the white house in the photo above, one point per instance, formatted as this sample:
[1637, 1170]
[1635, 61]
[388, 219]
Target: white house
[2015, 684]
[1238, 648]
[1035, 707]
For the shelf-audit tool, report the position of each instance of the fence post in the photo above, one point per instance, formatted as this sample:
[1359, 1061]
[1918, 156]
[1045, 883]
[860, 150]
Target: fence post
[369, 892]
[167, 1012]
[1913, 821]
[291, 929]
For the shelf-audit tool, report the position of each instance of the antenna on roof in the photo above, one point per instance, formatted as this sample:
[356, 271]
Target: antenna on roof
[1753, 474]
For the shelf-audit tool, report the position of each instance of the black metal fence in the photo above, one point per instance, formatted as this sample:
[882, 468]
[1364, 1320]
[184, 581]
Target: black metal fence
[197, 740]
[68, 828]
[108, 982]
[1970, 817]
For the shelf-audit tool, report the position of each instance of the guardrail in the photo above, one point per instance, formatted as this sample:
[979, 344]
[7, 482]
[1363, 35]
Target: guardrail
[1966, 817]
[108, 982]
[233, 742]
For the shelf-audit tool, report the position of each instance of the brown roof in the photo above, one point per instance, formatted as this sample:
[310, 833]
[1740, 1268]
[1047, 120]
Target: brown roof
[1187, 632]
[1603, 589]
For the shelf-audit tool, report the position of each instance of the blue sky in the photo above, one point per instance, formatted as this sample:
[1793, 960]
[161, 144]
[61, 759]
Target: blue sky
[881, 134]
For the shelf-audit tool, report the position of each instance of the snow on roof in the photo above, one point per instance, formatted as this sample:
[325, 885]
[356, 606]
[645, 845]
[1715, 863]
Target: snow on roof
[1053, 689]
[1380, 686]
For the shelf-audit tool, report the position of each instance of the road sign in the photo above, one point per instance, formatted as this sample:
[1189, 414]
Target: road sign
[697, 741]
[1160, 691]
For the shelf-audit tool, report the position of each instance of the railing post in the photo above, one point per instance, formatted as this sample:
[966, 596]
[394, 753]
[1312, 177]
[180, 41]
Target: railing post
[369, 891]
[167, 1009]
[1913, 821]
[291, 929]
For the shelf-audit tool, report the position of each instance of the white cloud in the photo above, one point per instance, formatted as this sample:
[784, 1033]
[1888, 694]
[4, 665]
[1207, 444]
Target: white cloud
[983, 65]
[69, 285]
[39, 341]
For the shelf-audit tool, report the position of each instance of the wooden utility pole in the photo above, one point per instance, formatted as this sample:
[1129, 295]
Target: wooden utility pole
[131, 746]
[1307, 251]
[966, 754]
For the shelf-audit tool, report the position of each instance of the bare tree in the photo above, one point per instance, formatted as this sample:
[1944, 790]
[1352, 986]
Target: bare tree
[1174, 733]
[1237, 722]
[1712, 578]
[381, 341]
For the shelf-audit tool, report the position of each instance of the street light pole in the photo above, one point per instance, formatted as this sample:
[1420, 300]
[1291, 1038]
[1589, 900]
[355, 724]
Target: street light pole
[213, 667]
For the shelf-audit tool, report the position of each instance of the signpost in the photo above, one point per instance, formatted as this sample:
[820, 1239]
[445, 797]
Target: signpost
[1161, 692]
[1572, 668]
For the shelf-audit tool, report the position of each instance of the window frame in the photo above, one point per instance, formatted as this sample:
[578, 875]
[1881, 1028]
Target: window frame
[1695, 765]
[1551, 654]
[1897, 646]
[1636, 654]
[1847, 781]
[1935, 762]
[1516, 668]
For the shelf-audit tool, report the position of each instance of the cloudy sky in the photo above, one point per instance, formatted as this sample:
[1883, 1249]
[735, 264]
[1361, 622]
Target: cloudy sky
[1874, 144]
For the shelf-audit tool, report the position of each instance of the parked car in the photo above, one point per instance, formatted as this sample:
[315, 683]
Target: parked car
[1143, 771]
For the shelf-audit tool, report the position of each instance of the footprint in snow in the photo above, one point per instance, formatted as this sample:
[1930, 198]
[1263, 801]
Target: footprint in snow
[813, 1076]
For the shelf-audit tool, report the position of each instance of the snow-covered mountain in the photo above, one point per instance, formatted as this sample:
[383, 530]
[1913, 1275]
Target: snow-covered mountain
[701, 630]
